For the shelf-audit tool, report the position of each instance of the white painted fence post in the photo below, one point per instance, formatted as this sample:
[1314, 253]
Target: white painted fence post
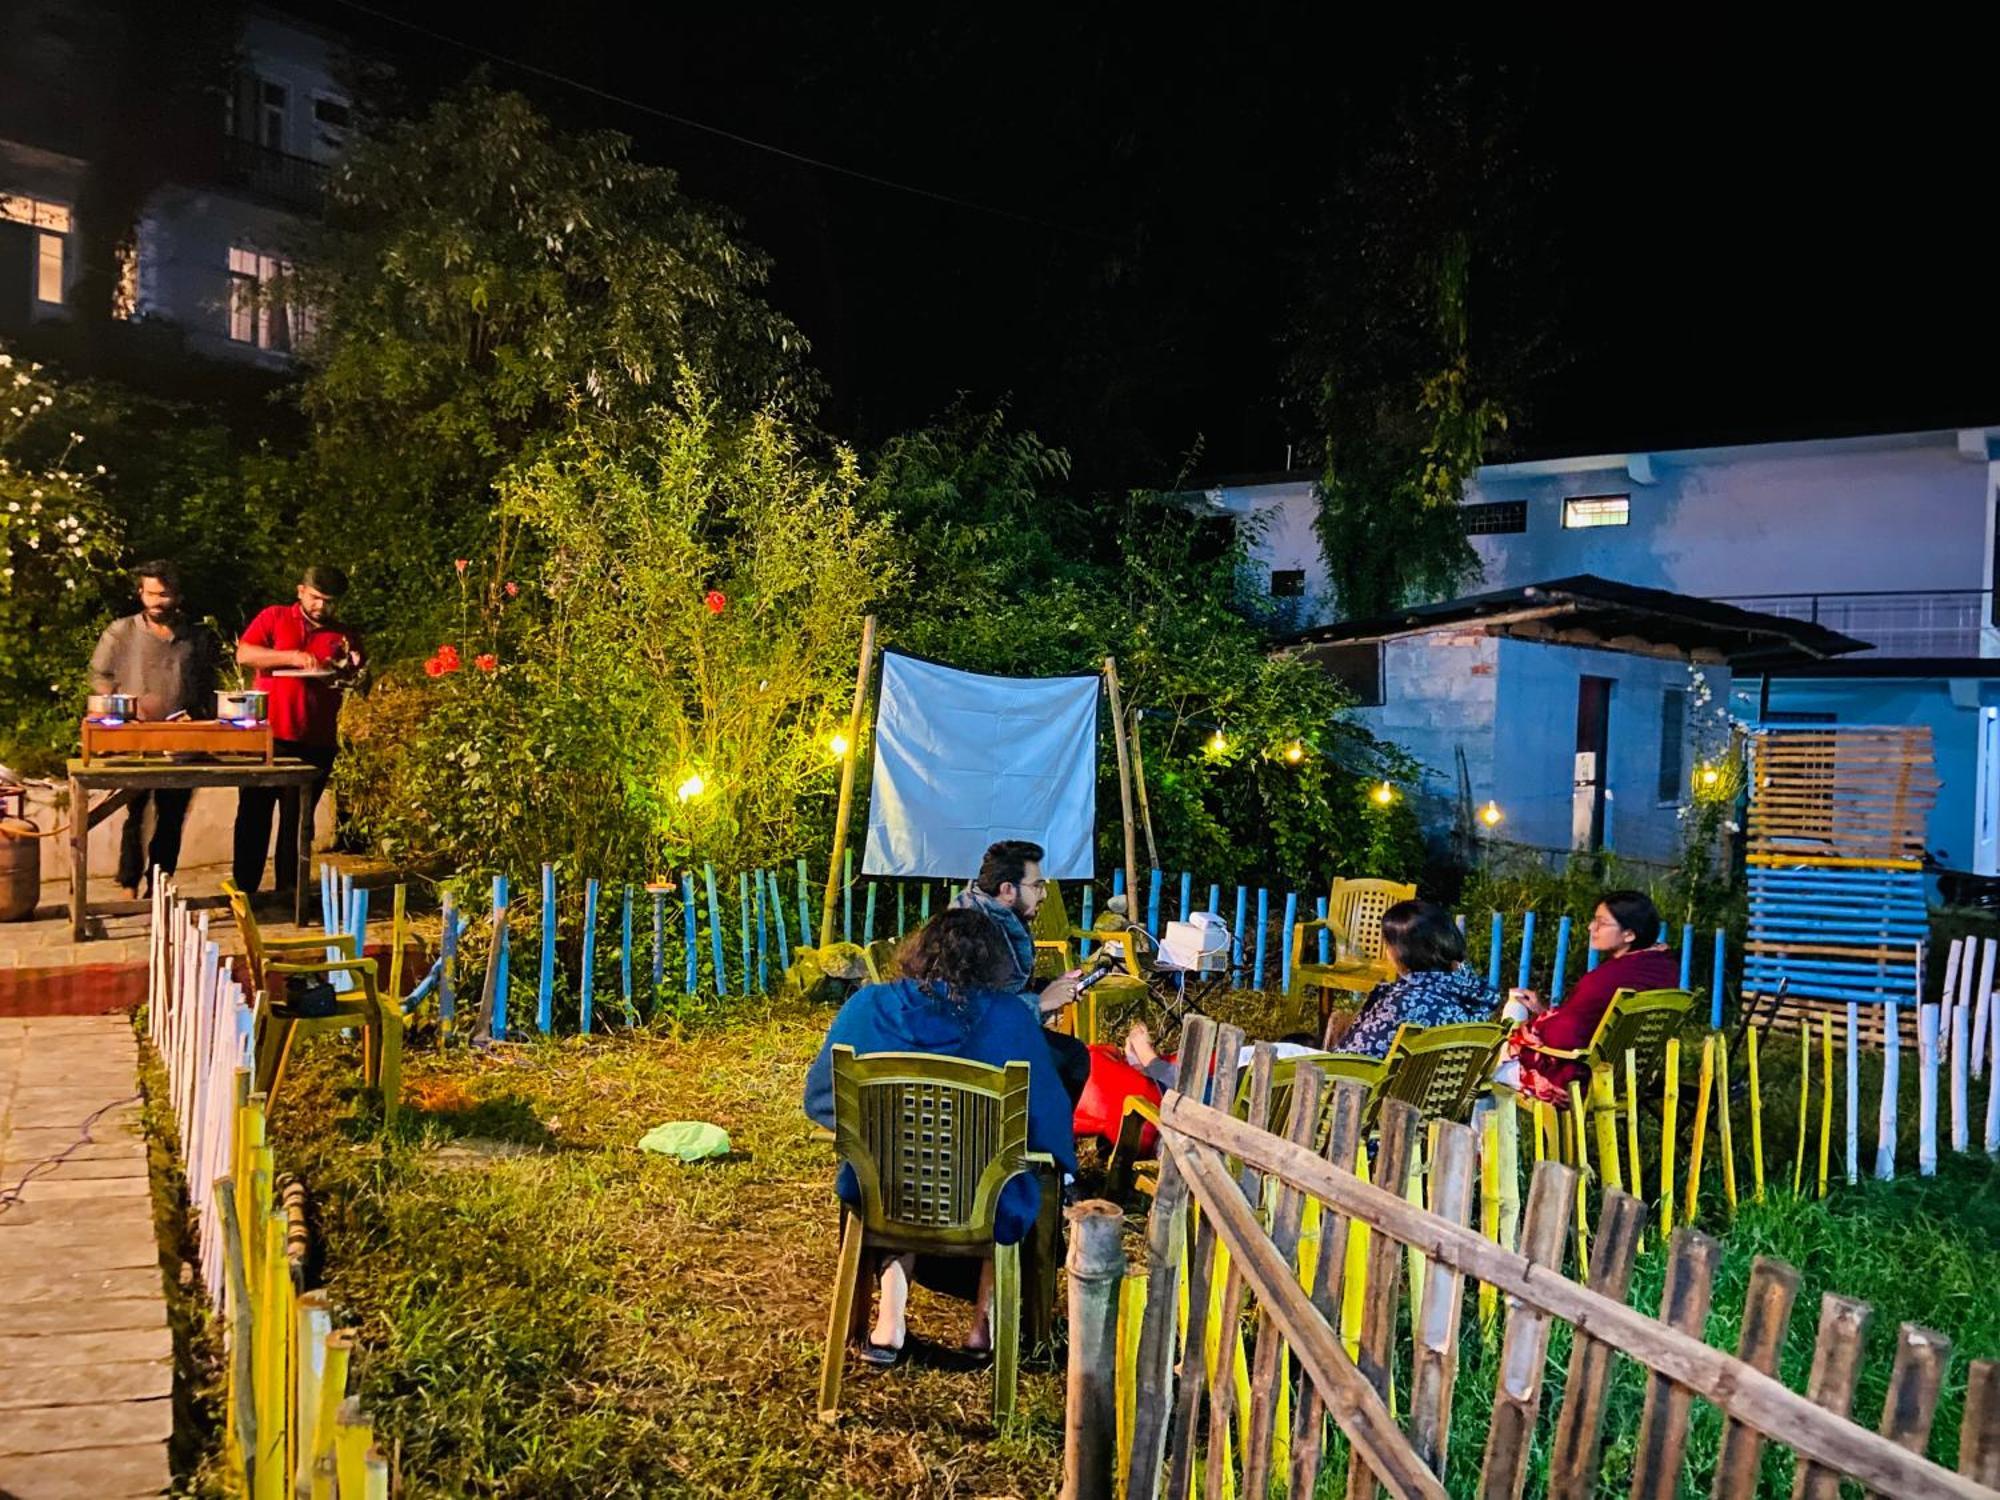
[1983, 1014]
[1927, 1070]
[1892, 1082]
[1961, 1124]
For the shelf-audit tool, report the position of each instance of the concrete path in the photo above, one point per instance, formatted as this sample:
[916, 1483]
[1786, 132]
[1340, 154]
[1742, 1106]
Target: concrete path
[86, 1360]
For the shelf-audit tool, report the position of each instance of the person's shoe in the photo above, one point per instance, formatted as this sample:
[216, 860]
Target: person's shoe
[130, 892]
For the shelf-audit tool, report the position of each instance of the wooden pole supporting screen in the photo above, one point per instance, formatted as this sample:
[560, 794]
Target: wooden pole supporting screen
[848, 760]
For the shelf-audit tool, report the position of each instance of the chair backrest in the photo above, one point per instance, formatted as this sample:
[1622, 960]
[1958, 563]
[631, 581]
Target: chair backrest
[1639, 1021]
[1051, 925]
[1439, 1068]
[1355, 907]
[931, 1140]
[246, 923]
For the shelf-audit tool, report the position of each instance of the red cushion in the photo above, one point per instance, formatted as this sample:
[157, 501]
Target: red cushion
[1112, 1081]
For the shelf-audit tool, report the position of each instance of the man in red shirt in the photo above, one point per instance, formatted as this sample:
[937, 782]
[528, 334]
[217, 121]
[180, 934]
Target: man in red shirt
[302, 657]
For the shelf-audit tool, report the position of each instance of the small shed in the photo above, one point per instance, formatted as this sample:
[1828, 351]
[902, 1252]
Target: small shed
[1570, 706]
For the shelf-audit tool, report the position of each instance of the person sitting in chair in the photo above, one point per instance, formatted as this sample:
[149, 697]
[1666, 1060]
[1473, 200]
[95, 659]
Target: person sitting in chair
[1432, 986]
[1007, 892]
[953, 1000]
[1625, 931]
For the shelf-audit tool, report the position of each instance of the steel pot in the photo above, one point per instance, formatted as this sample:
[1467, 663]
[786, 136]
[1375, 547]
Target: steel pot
[112, 705]
[244, 705]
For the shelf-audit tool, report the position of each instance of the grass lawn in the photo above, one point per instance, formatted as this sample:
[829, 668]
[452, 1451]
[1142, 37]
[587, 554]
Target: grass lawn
[543, 1310]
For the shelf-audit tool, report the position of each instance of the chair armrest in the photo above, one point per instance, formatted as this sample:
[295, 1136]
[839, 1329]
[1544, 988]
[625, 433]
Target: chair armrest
[821, 1134]
[1144, 1108]
[1572, 1054]
[362, 970]
[1315, 925]
[309, 942]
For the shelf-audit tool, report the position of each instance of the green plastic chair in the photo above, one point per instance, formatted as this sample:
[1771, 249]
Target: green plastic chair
[1439, 1069]
[1636, 1021]
[931, 1140]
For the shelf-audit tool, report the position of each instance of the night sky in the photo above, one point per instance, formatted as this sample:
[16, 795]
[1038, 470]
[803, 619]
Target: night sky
[1744, 244]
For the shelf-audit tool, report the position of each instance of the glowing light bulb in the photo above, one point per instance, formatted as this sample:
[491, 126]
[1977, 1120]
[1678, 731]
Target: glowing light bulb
[1710, 776]
[1295, 752]
[1217, 744]
[1384, 794]
[690, 789]
[1490, 814]
[838, 745]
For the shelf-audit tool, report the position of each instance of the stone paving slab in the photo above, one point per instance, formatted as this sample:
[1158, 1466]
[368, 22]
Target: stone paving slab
[86, 1356]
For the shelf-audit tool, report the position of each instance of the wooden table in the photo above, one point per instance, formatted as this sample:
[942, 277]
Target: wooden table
[126, 778]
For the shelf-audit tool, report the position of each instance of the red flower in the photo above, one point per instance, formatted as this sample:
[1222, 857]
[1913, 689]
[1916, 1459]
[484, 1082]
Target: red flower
[513, 588]
[715, 601]
[462, 564]
[486, 661]
[434, 668]
[447, 656]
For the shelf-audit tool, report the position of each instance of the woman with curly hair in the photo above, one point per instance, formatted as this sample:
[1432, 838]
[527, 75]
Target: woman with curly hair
[948, 1003]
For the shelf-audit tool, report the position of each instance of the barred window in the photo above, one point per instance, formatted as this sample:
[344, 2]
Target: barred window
[1499, 518]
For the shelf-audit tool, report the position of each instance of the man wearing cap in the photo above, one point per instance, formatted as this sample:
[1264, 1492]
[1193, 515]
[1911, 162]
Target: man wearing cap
[298, 638]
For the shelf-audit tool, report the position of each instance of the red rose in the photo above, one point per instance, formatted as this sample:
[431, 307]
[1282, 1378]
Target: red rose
[715, 601]
[486, 661]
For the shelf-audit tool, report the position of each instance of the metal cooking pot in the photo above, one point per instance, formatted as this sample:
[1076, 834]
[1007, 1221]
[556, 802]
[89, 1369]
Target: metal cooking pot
[244, 705]
[112, 705]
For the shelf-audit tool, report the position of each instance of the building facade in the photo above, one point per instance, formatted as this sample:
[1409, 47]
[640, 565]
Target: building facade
[1889, 539]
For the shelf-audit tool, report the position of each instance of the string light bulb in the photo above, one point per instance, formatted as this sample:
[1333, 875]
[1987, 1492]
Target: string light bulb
[1490, 814]
[1384, 794]
[692, 788]
[1217, 743]
[1710, 775]
[1295, 752]
[838, 745]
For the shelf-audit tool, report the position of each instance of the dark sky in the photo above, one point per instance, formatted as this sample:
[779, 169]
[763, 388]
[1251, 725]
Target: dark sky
[1746, 244]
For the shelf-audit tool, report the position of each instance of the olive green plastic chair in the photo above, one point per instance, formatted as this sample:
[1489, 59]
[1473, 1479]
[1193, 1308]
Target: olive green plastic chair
[278, 1027]
[1636, 1021]
[1354, 916]
[931, 1140]
[1438, 1069]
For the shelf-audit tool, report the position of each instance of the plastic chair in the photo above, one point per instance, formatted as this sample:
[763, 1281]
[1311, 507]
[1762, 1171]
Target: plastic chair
[1636, 1021]
[1439, 1069]
[1354, 916]
[278, 1026]
[931, 1140]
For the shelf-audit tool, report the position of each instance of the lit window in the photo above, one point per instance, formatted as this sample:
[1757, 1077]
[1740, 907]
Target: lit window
[1597, 510]
[38, 212]
[48, 267]
[257, 313]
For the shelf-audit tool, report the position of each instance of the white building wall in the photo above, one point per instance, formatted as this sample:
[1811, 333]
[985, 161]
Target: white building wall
[184, 241]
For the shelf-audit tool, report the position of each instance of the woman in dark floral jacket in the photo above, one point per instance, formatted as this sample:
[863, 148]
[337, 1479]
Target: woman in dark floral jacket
[1432, 986]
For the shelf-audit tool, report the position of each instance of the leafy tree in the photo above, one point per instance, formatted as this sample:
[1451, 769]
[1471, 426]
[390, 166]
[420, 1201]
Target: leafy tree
[662, 689]
[1414, 344]
[1009, 574]
[481, 282]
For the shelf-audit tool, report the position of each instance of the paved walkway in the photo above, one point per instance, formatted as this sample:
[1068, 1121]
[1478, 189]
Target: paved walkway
[86, 1360]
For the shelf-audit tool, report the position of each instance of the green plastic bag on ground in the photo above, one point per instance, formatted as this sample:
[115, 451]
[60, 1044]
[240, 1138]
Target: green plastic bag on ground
[687, 1140]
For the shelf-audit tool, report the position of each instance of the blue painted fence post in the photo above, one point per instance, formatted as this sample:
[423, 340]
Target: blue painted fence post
[448, 971]
[1237, 946]
[1215, 900]
[1089, 895]
[805, 909]
[745, 914]
[1118, 884]
[763, 941]
[500, 959]
[1493, 955]
[583, 1010]
[1687, 953]
[1715, 995]
[545, 991]
[715, 939]
[924, 914]
[688, 924]
[868, 918]
[778, 923]
[1560, 980]
[1263, 921]
[1325, 937]
[1187, 893]
[660, 940]
[1526, 977]
[357, 905]
[625, 955]
[847, 895]
[1285, 953]
[1153, 904]
[902, 910]
[1592, 961]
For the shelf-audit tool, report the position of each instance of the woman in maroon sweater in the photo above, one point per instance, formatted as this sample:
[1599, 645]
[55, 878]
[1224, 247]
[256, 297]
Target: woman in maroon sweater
[1626, 929]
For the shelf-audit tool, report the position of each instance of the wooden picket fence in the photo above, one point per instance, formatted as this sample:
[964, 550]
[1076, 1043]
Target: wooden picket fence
[290, 1429]
[1291, 1244]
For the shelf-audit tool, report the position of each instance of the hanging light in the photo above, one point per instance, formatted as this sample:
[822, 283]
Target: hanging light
[1217, 743]
[1384, 794]
[1295, 752]
[838, 745]
[692, 788]
[1710, 775]
[1490, 814]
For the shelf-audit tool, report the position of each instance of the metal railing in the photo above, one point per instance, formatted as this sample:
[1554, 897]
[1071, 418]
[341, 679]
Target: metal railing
[294, 180]
[1894, 622]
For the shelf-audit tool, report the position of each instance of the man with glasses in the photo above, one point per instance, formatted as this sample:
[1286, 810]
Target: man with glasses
[1008, 891]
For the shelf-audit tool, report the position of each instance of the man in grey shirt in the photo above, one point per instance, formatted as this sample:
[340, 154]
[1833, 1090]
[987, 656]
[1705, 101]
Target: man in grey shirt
[170, 667]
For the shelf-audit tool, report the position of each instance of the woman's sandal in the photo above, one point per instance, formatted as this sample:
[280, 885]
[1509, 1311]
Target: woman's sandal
[881, 1356]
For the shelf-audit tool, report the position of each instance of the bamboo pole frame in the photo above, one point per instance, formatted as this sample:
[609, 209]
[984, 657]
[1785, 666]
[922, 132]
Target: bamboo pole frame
[845, 810]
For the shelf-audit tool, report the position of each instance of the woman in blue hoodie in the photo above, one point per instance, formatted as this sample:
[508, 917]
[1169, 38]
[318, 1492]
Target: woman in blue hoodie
[946, 1003]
